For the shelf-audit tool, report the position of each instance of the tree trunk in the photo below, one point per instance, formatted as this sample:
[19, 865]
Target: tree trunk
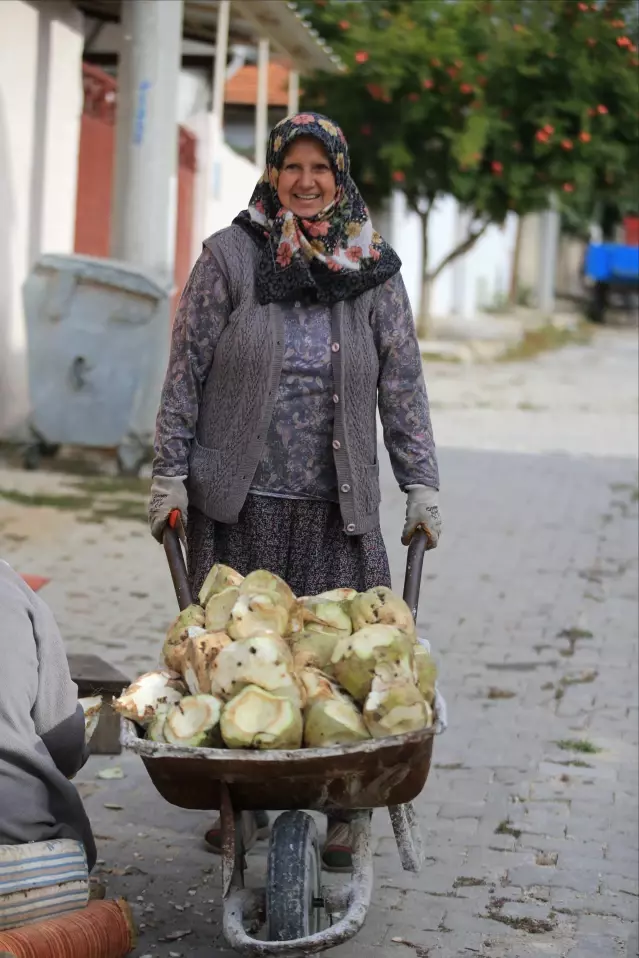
[514, 276]
[423, 318]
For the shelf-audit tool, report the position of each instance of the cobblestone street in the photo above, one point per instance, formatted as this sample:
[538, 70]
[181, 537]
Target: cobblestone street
[530, 813]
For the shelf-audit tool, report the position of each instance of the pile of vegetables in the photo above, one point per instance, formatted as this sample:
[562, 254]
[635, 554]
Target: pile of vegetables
[250, 666]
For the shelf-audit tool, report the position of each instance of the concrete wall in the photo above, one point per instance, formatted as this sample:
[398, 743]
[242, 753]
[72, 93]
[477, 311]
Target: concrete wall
[473, 282]
[40, 110]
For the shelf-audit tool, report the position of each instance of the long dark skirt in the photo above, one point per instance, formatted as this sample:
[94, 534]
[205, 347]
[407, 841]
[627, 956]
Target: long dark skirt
[298, 539]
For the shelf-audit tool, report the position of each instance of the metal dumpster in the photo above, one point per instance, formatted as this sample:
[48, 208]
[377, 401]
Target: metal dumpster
[98, 340]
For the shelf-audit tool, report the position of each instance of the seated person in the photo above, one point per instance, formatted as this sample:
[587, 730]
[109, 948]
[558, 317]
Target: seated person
[46, 844]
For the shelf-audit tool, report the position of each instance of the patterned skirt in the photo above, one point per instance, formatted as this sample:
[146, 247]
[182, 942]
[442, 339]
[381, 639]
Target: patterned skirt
[300, 540]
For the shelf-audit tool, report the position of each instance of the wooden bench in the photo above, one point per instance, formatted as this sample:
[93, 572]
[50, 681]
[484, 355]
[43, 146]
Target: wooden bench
[94, 676]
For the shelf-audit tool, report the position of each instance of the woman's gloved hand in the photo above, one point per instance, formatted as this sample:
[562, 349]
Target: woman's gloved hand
[422, 512]
[167, 493]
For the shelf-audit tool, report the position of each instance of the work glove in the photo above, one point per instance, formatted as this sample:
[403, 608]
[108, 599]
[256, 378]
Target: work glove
[167, 493]
[422, 512]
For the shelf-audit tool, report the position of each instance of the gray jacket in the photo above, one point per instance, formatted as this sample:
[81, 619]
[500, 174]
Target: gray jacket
[224, 370]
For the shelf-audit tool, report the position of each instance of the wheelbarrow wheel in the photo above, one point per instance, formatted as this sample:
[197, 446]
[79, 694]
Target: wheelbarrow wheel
[294, 878]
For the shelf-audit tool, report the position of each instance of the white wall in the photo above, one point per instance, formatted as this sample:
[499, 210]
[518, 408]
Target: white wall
[472, 282]
[40, 110]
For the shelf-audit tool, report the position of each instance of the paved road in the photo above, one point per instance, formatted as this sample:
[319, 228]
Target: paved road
[531, 603]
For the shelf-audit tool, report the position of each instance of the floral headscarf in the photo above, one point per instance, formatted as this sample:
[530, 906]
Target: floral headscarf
[336, 253]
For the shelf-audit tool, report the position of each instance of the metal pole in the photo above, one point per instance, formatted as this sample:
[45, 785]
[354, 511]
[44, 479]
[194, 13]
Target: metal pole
[145, 194]
[261, 111]
[293, 92]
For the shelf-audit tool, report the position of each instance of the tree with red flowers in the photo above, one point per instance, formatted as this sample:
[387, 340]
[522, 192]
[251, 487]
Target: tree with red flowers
[498, 104]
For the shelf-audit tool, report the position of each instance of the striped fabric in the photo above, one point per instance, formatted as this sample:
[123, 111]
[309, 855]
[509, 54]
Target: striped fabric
[41, 880]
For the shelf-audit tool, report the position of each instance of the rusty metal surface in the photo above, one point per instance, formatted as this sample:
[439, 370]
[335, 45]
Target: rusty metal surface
[374, 774]
[228, 827]
[407, 836]
[414, 563]
[243, 905]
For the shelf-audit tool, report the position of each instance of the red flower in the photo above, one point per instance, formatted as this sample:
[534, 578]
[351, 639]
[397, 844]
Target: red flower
[566, 144]
[413, 97]
[466, 88]
[541, 136]
[623, 41]
[361, 56]
[452, 72]
[317, 228]
[399, 176]
[497, 167]
[435, 63]
[549, 129]
[585, 137]
[428, 84]
[354, 253]
[602, 109]
[366, 130]
[344, 25]
[568, 188]
[284, 254]
[375, 91]
[583, 7]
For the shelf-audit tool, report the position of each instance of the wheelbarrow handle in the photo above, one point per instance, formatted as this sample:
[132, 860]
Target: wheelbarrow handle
[414, 563]
[175, 558]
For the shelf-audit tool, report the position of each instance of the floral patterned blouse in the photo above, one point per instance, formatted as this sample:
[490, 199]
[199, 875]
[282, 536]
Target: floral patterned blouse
[298, 458]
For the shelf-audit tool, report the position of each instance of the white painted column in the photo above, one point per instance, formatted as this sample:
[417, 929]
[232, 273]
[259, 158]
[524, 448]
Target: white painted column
[293, 92]
[549, 247]
[145, 179]
[261, 111]
[216, 126]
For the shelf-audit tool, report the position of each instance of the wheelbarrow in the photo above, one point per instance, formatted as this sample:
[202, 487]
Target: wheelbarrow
[300, 917]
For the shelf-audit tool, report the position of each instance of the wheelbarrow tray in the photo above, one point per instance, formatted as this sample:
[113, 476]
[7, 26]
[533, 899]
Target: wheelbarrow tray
[375, 774]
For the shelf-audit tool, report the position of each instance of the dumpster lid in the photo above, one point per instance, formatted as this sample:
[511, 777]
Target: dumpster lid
[108, 272]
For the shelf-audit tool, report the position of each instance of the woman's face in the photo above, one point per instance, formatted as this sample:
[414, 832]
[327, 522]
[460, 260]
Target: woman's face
[306, 182]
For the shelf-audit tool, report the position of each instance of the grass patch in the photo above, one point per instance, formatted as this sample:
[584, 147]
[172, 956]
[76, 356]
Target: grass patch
[463, 882]
[506, 828]
[577, 745]
[434, 357]
[545, 339]
[112, 485]
[47, 500]
[495, 694]
[575, 763]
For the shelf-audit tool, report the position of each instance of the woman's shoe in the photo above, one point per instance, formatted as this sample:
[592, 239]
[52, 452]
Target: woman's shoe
[255, 826]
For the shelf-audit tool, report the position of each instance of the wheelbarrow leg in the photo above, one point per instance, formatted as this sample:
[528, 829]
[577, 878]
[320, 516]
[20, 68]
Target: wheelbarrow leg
[408, 836]
[233, 859]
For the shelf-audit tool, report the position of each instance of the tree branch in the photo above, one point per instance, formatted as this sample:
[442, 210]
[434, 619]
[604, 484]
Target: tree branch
[463, 247]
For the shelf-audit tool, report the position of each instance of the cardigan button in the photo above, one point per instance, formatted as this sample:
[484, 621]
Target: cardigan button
[335, 347]
[345, 487]
[335, 398]
[337, 444]
[350, 527]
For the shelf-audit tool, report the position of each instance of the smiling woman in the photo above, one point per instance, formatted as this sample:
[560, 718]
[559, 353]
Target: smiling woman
[294, 325]
[306, 182]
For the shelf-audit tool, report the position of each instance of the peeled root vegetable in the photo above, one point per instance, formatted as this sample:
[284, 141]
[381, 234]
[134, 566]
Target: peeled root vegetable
[151, 694]
[173, 653]
[199, 655]
[395, 706]
[257, 614]
[194, 722]
[257, 719]
[218, 609]
[338, 595]
[330, 717]
[426, 672]
[219, 578]
[357, 657]
[263, 582]
[264, 661]
[178, 631]
[380, 606]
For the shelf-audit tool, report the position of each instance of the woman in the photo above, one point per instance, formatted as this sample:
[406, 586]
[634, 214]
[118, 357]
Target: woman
[293, 327]
[46, 843]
